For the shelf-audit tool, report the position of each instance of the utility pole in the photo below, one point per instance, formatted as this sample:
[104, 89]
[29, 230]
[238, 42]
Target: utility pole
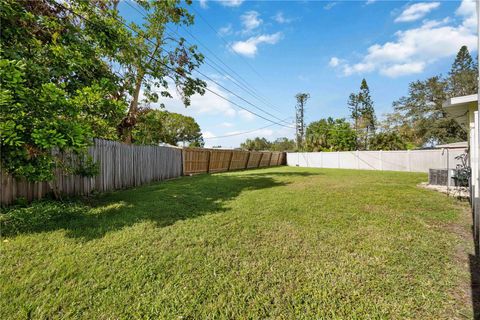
[299, 122]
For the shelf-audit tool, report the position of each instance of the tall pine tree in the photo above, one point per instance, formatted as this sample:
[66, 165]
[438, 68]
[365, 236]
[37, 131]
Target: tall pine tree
[363, 114]
[463, 74]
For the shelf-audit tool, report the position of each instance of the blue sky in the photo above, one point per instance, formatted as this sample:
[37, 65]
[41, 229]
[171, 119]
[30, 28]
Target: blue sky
[325, 48]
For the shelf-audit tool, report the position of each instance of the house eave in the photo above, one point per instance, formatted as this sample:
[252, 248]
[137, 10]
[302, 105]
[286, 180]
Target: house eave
[458, 107]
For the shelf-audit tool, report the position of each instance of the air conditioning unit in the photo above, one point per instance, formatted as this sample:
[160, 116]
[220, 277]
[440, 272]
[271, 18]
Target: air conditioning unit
[441, 177]
[438, 177]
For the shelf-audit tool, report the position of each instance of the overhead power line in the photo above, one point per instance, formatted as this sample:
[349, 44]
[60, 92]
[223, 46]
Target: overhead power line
[180, 74]
[241, 133]
[250, 88]
[228, 44]
[230, 76]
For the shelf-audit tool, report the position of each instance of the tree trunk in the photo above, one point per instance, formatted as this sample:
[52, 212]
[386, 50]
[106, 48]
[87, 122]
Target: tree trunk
[126, 126]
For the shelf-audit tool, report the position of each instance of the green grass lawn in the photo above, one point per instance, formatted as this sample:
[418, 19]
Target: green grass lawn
[277, 243]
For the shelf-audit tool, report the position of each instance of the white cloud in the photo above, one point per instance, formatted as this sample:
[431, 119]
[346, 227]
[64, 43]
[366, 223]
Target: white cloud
[208, 104]
[334, 61]
[279, 17]
[246, 115]
[226, 30]
[416, 11]
[207, 134]
[397, 70]
[468, 11]
[231, 3]
[370, 2]
[330, 5]
[203, 4]
[249, 47]
[226, 124]
[414, 49]
[250, 20]
[358, 68]
[225, 3]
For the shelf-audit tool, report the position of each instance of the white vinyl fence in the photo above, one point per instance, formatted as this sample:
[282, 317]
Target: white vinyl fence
[405, 160]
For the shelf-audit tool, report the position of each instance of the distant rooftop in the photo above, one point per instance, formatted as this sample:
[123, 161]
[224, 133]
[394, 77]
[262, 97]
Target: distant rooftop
[454, 145]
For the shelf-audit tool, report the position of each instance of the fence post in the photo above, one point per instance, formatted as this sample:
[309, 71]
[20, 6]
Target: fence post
[409, 161]
[338, 160]
[357, 156]
[184, 161]
[381, 160]
[230, 162]
[248, 159]
[209, 153]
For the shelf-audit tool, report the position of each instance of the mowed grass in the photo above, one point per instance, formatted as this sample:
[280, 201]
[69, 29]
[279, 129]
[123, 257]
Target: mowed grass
[277, 243]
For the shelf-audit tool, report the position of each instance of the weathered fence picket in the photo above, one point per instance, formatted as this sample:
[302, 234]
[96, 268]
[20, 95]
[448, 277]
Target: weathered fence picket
[197, 160]
[120, 166]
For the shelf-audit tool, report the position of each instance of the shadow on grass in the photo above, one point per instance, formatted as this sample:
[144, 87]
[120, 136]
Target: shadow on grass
[283, 174]
[163, 203]
[474, 262]
[475, 284]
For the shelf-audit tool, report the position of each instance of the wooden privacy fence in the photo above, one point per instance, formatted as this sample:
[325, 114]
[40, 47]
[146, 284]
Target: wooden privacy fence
[121, 166]
[196, 160]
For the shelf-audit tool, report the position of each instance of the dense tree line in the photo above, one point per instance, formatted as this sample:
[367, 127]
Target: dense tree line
[158, 126]
[262, 144]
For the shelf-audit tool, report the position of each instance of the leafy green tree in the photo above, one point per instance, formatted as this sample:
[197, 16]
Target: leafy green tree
[282, 144]
[257, 144]
[57, 88]
[330, 135]
[363, 114]
[463, 75]
[157, 126]
[419, 118]
[396, 122]
[354, 110]
[422, 111]
[153, 58]
[70, 70]
[387, 141]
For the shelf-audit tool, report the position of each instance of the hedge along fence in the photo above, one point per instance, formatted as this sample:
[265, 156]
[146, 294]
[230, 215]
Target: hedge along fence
[196, 160]
[120, 166]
